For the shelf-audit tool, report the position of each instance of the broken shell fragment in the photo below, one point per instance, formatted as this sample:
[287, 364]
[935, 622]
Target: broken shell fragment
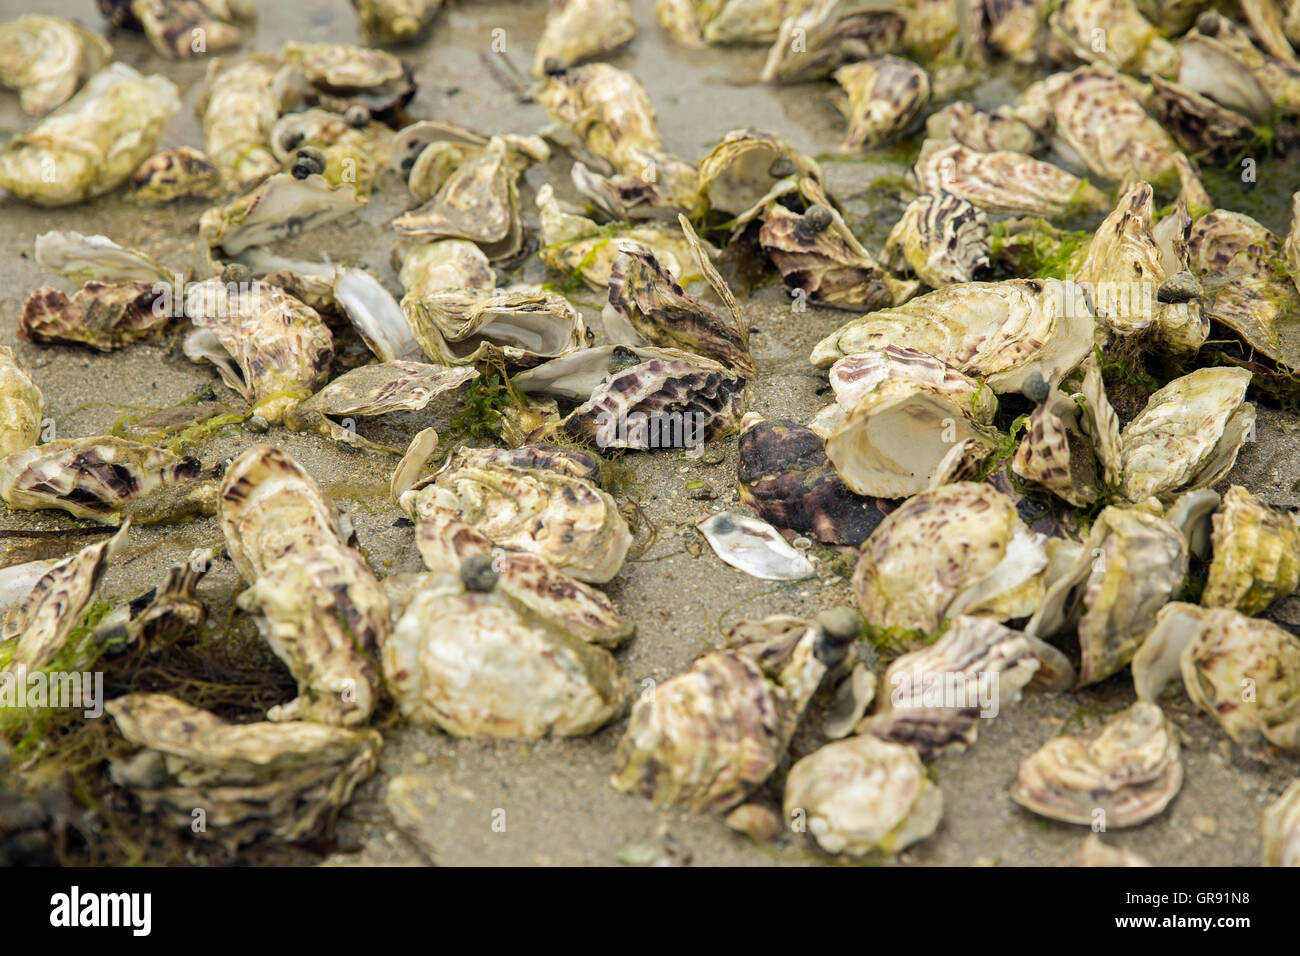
[91, 144]
[21, 406]
[477, 664]
[1003, 182]
[959, 549]
[1119, 777]
[754, 547]
[255, 781]
[160, 615]
[320, 609]
[47, 58]
[942, 239]
[578, 30]
[883, 97]
[524, 326]
[863, 794]
[1256, 554]
[90, 477]
[1281, 828]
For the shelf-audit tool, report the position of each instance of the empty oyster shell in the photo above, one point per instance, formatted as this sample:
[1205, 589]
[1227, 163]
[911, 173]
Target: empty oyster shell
[1122, 776]
[47, 58]
[1256, 554]
[959, 549]
[578, 30]
[239, 107]
[266, 345]
[754, 547]
[1188, 435]
[446, 542]
[373, 390]
[38, 627]
[940, 238]
[987, 131]
[104, 317]
[160, 615]
[831, 32]
[708, 738]
[388, 22]
[660, 403]
[1131, 564]
[1219, 60]
[1201, 126]
[938, 694]
[785, 477]
[1281, 828]
[535, 498]
[254, 781]
[322, 611]
[744, 167]
[477, 663]
[525, 326]
[1002, 332]
[863, 794]
[574, 376]
[1003, 182]
[91, 144]
[883, 97]
[21, 406]
[1112, 32]
[375, 315]
[89, 477]
[95, 257]
[280, 207]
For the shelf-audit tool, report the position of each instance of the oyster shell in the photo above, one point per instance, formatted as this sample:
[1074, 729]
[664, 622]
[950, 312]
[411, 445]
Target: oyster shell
[818, 254]
[578, 30]
[1256, 554]
[1281, 828]
[530, 581]
[741, 171]
[104, 317]
[352, 154]
[863, 794]
[660, 403]
[1112, 32]
[278, 208]
[987, 131]
[525, 326]
[92, 143]
[442, 264]
[47, 58]
[883, 96]
[90, 477]
[321, 610]
[173, 174]
[1056, 452]
[38, 627]
[373, 390]
[467, 656]
[1002, 332]
[1188, 435]
[1121, 776]
[1012, 26]
[1003, 182]
[1219, 60]
[180, 29]
[254, 781]
[938, 694]
[754, 547]
[239, 107]
[160, 615]
[535, 498]
[376, 315]
[1130, 566]
[1095, 853]
[708, 738]
[831, 32]
[942, 239]
[388, 22]
[1201, 126]
[959, 549]
[266, 345]
[785, 478]
[343, 75]
[22, 406]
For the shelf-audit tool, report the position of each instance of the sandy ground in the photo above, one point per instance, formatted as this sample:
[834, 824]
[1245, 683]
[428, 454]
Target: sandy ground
[553, 796]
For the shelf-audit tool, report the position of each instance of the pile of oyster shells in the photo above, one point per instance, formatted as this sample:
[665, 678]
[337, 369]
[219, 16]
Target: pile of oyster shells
[913, 467]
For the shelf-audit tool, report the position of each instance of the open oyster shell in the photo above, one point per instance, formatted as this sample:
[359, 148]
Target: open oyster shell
[21, 406]
[883, 96]
[708, 738]
[1003, 182]
[96, 257]
[102, 316]
[1256, 554]
[863, 794]
[160, 615]
[942, 239]
[388, 22]
[254, 781]
[239, 107]
[375, 315]
[575, 376]
[1188, 435]
[47, 58]
[467, 656]
[92, 143]
[535, 498]
[754, 547]
[1219, 60]
[959, 549]
[1281, 829]
[90, 477]
[278, 208]
[1002, 332]
[938, 694]
[525, 326]
[746, 165]
[831, 32]
[321, 610]
[785, 478]
[1119, 777]
[266, 345]
[578, 30]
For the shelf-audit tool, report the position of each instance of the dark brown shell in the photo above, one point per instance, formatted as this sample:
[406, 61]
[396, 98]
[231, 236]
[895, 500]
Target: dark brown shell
[822, 264]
